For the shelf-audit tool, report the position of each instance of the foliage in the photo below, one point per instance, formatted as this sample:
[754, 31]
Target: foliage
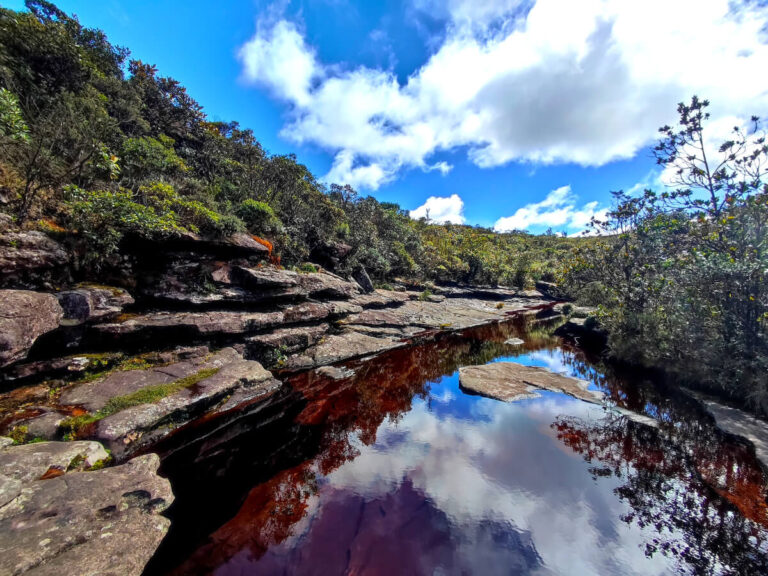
[681, 275]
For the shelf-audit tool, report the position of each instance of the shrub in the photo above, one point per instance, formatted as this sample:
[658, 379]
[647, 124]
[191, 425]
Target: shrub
[259, 217]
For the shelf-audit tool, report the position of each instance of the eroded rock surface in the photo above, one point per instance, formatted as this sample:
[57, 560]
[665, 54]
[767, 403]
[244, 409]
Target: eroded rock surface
[30, 258]
[210, 384]
[24, 317]
[79, 522]
[89, 303]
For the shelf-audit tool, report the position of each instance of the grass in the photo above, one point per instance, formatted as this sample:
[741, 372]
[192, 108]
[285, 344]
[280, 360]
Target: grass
[148, 395]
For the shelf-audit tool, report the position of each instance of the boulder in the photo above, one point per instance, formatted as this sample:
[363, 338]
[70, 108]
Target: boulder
[88, 523]
[330, 254]
[549, 289]
[24, 317]
[90, 303]
[509, 382]
[362, 278]
[30, 259]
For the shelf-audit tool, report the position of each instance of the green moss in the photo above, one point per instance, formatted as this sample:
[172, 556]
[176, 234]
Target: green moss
[18, 434]
[148, 395]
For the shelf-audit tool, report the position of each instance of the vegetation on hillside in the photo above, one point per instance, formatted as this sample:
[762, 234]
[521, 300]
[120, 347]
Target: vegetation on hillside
[104, 146]
[682, 275]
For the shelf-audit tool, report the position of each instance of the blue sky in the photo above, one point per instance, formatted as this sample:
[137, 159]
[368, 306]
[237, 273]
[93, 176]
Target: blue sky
[513, 113]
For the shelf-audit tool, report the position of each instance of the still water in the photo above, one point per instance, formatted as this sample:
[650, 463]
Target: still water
[395, 470]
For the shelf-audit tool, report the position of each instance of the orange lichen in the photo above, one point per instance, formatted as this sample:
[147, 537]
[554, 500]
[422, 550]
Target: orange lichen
[274, 259]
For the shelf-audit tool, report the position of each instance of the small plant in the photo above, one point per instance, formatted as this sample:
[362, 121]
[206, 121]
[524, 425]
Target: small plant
[567, 309]
[307, 267]
[500, 305]
[425, 295]
[18, 434]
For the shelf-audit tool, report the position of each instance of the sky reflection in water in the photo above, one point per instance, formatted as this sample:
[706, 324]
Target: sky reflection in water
[453, 483]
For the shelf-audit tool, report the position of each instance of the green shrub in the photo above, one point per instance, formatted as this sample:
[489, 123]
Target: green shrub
[259, 217]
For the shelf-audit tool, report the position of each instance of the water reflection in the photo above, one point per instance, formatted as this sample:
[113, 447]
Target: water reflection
[396, 471]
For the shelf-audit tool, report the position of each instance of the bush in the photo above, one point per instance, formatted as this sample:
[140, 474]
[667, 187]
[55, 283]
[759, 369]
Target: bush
[259, 217]
[103, 217]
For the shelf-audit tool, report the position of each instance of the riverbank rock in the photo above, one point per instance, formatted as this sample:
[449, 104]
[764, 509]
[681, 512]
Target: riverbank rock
[89, 303]
[78, 522]
[509, 382]
[24, 317]
[30, 259]
[338, 347]
[739, 423]
[172, 395]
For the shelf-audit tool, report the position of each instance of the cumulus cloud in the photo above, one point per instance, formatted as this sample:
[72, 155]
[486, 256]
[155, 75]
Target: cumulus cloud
[558, 210]
[437, 209]
[542, 81]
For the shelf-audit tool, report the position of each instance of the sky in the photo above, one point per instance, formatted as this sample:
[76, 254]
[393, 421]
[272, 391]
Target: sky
[512, 114]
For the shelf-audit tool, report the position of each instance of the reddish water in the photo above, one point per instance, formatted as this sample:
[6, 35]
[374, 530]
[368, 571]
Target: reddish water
[396, 471]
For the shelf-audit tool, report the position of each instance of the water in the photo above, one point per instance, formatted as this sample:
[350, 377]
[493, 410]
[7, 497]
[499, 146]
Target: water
[397, 471]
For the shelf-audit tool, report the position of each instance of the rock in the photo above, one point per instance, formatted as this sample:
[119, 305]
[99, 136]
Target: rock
[326, 285]
[509, 381]
[235, 246]
[739, 423]
[31, 461]
[10, 488]
[90, 303]
[212, 383]
[24, 316]
[186, 326]
[514, 342]
[335, 372]
[588, 334]
[530, 294]
[345, 346]
[271, 347]
[380, 299]
[330, 254]
[86, 523]
[266, 278]
[5, 442]
[45, 426]
[30, 259]
[316, 284]
[549, 289]
[362, 278]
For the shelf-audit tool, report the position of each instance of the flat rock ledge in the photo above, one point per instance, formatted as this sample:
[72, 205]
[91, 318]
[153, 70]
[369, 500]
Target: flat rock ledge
[68, 520]
[510, 382]
[739, 423]
[218, 382]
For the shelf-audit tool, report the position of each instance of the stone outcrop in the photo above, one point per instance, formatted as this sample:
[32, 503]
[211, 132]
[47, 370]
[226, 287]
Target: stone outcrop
[30, 259]
[339, 347]
[65, 520]
[203, 385]
[24, 317]
[89, 303]
[509, 382]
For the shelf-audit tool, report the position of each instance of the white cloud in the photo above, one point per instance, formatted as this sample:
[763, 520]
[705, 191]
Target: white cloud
[558, 210]
[549, 81]
[436, 209]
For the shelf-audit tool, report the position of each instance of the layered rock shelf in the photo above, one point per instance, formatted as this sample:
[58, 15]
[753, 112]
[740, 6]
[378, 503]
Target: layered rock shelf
[185, 332]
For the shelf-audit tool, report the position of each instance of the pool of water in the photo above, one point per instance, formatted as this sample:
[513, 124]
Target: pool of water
[395, 470]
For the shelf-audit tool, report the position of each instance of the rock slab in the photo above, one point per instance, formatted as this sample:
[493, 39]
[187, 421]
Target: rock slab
[104, 522]
[24, 317]
[510, 381]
